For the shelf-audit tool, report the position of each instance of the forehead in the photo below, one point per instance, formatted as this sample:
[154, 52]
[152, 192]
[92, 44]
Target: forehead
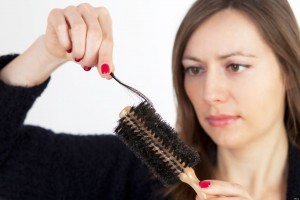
[225, 31]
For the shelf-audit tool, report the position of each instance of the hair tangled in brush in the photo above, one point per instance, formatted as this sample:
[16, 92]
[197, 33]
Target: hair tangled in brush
[155, 142]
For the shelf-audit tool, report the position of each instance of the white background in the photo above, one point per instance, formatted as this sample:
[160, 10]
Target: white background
[81, 102]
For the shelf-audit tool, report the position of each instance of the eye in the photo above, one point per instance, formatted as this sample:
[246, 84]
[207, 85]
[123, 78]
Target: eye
[237, 67]
[193, 70]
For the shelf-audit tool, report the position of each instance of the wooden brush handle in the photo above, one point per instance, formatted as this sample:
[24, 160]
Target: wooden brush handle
[189, 177]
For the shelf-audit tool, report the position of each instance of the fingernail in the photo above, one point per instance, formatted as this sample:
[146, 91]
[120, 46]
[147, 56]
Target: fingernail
[77, 59]
[69, 50]
[204, 184]
[86, 68]
[105, 69]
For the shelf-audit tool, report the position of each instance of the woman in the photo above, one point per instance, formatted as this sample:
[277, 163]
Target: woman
[235, 68]
[238, 96]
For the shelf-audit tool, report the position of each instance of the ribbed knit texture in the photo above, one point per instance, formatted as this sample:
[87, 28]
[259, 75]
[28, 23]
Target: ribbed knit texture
[37, 164]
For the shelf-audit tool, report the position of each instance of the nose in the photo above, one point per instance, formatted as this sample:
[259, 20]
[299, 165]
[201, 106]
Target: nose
[215, 88]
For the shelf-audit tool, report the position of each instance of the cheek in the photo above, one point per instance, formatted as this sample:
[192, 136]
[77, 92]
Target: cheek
[262, 101]
[193, 91]
[188, 89]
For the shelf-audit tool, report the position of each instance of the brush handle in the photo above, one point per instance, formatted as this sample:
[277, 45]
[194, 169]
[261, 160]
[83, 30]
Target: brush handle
[189, 177]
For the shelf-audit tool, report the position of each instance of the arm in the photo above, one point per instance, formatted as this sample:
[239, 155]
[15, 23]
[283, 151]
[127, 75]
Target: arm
[87, 31]
[81, 33]
[32, 67]
[15, 101]
[84, 29]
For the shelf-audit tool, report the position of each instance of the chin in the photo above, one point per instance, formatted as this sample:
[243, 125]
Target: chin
[229, 146]
[229, 141]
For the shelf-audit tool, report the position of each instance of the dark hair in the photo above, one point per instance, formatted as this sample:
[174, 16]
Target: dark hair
[278, 26]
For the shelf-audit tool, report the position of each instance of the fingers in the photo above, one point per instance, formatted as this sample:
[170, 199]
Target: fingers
[57, 40]
[217, 190]
[106, 49]
[77, 32]
[93, 35]
[84, 34]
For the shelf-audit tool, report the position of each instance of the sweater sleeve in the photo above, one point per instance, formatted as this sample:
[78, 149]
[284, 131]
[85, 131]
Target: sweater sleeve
[15, 102]
[36, 163]
[14, 105]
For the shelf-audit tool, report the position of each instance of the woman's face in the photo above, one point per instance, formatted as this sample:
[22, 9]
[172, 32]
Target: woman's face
[234, 82]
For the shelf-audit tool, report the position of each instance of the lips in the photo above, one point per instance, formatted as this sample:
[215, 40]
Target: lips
[221, 120]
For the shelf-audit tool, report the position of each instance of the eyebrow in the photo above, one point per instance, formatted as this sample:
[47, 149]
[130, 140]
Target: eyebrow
[221, 57]
[238, 53]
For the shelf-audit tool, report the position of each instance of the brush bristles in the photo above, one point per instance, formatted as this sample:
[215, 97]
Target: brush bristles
[155, 142]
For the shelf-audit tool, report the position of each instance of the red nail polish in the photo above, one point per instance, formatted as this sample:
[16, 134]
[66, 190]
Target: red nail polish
[86, 68]
[204, 184]
[69, 50]
[77, 59]
[105, 69]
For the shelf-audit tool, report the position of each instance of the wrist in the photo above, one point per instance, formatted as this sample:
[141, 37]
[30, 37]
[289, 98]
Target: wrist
[32, 67]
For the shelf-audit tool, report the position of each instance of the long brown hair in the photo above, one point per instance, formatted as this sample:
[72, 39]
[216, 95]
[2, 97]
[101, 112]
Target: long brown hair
[278, 26]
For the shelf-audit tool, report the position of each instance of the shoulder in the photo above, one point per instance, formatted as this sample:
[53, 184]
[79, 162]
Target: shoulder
[294, 156]
[293, 172]
[94, 162]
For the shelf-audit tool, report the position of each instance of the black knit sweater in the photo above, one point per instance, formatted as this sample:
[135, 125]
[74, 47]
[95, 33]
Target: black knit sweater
[36, 163]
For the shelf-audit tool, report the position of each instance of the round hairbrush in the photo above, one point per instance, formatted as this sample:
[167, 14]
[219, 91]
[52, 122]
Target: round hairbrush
[157, 144]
